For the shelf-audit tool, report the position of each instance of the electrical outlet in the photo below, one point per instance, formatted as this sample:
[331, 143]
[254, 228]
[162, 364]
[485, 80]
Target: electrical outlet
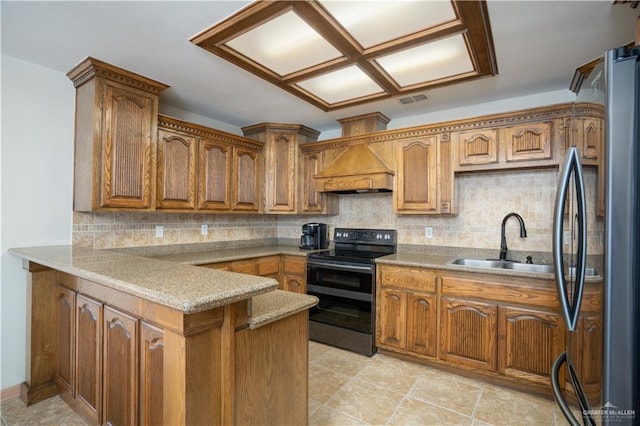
[566, 237]
[428, 232]
[204, 230]
[159, 231]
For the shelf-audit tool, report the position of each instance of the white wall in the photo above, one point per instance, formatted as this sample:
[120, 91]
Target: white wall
[37, 170]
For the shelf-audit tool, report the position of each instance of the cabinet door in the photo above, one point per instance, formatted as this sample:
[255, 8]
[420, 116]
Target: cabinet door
[468, 333]
[421, 324]
[417, 187]
[176, 170]
[392, 325]
[246, 180]
[89, 357]
[281, 178]
[529, 341]
[214, 176]
[477, 147]
[295, 284]
[65, 342]
[588, 344]
[312, 200]
[528, 142]
[120, 368]
[128, 147]
[151, 374]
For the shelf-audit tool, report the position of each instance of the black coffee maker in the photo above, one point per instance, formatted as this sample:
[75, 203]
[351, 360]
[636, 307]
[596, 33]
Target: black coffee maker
[314, 236]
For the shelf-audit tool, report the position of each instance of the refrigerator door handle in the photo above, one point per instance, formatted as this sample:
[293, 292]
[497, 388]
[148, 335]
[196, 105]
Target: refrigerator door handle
[557, 393]
[570, 308]
[587, 417]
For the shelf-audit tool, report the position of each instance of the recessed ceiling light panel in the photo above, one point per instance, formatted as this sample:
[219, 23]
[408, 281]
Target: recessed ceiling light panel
[284, 45]
[375, 22]
[335, 54]
[428, 62]
[341, 85]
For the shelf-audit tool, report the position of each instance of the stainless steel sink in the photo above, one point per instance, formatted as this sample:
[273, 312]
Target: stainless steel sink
[528, 267]
[516, 266]
[477, 263]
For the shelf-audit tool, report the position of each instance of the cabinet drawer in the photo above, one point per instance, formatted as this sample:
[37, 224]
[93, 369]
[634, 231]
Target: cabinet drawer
[295, 265]
[269, 265]
[408, 278]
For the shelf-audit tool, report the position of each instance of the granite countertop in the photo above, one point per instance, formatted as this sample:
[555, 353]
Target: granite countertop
[230, 254]
[439, 261]
[180, 286]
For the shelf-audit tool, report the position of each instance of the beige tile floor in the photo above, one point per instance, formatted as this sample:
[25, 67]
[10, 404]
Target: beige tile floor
[350, 389]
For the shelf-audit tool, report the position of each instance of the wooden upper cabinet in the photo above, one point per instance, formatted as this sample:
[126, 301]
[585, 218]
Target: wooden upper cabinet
[214, 175]
[246, 180]
[588, 135]
[531, 141]
[313, 201]
[477, 147]
[206, 169]
[115, 137]
[176, 170]
[417, 184]
[282, 176]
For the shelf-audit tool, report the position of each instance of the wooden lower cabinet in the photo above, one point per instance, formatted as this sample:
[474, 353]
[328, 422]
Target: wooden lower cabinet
[108, 366]
[88, 347]
[422, 324]
[294, 274]
[407, 310]
[65, 344]
[468, 333]
[506, 329]
[120, 404]
[529, 342]
[392, 318]
[151, 374]
[289, 270]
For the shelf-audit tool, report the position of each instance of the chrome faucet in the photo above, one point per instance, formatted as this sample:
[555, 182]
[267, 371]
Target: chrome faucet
[503, 239]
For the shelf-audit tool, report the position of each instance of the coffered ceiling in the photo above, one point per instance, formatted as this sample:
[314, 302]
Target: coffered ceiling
[537, 46]
[335, 54]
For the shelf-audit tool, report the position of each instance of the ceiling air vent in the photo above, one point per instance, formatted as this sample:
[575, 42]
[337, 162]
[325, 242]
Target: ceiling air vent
[412, 99]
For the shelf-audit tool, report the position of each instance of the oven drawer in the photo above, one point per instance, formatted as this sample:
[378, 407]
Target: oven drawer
[407, 278]
[348, 314]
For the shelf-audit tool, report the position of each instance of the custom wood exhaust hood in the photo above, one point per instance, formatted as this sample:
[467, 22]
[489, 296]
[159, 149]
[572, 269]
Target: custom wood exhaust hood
[357, 169]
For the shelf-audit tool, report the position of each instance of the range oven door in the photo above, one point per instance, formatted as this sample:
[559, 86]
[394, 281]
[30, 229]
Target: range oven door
[345, 314]
[351, 278]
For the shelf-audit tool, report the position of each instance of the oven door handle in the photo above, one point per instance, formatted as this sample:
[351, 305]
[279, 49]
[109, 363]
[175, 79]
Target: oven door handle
[346, 294]
[338, 266]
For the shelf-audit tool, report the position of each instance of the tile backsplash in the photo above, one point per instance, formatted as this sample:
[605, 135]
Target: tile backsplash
[483, 201]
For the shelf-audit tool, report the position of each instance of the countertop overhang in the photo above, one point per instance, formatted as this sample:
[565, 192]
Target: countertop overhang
[174, 282]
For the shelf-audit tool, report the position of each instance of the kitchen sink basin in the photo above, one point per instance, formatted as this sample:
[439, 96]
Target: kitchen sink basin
[477, 263]
[528, 267]
[516, 266]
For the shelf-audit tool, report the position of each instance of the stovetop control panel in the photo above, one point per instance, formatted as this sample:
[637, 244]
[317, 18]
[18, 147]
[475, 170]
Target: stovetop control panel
[365, 236]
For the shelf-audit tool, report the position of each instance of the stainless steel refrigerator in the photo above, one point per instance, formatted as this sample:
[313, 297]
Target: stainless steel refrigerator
[617, 79]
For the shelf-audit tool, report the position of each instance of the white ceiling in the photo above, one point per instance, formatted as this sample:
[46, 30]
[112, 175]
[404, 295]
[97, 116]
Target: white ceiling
[538, 45]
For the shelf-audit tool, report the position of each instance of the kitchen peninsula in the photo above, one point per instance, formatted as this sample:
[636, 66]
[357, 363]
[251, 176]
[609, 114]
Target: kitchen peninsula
[126, 339]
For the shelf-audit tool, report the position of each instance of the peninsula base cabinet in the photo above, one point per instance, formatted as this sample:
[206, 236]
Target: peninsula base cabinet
[500, 328]
[119, 359]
